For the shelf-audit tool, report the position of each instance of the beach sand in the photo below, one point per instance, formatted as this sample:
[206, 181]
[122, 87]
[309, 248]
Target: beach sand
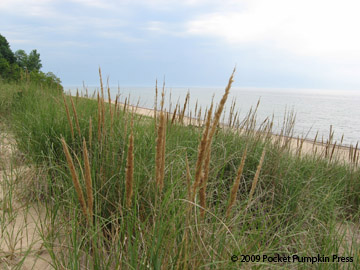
[308, 147]
[21, 245]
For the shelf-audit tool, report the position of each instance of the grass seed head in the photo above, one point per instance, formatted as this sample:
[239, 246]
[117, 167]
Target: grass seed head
[129, 174]
[256, 177]
[74, 178]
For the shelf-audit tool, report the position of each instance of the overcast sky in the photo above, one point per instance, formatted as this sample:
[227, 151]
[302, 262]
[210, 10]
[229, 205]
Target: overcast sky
[273, 43]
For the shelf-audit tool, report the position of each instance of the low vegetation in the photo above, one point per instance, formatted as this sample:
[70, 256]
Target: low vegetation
[127, 191]
[15, 67]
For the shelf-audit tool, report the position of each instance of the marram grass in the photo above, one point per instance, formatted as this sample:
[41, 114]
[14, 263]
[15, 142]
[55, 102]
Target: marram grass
[282, 202]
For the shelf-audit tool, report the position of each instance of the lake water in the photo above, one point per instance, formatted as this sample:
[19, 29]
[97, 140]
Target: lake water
[315, 110]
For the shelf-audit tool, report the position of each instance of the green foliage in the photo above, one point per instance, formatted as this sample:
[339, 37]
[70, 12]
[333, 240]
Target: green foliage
[29, 62]
[8, 71]
[4, 67]
[5, 51]
[21, 58]
[46, 79]
[33, 61]
[14, 67]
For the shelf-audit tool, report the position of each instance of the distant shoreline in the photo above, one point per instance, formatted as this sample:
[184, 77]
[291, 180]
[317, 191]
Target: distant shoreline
[309, 146]
[315, 113]
[340, 151]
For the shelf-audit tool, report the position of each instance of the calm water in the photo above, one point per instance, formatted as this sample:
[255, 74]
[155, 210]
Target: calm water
[315, 110]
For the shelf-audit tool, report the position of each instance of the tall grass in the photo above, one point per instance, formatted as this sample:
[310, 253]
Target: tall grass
[280, 202]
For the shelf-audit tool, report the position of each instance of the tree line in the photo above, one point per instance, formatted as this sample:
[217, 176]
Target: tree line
[19, 65]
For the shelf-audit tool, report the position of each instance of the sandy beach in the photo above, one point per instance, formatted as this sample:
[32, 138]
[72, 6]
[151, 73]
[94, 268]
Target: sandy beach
[21, 242]
[307, 146]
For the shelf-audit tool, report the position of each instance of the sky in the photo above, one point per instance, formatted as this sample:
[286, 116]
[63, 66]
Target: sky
[312, 44]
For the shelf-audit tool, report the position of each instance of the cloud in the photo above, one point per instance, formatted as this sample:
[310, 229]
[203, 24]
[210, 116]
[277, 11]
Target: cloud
[173, 29]
[279, 36]
[306, 27]
[94, 3]
[233, 27]
[119, 36]
[39, 8]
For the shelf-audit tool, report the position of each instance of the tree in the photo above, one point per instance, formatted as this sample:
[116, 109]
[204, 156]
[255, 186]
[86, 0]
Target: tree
[5, 51]
[4, 67]
[33, 61]
[13, 66]
[29, 62]
[21, 58]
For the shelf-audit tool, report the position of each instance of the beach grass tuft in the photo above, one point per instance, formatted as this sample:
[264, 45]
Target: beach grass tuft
[159, 191]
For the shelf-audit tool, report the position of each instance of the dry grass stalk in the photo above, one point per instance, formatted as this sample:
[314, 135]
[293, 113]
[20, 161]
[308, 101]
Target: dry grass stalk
[129, 174]
[270, 128]
[256, 177]
[196, 107]
[163, 146]
[199, 117]
[136, 107]
[88, 181]
[203, 183]
[76, 118]
[155, 102]
[162, 97]
[101, 84]
[69, 119]
[102, 106]
[103, 129]
[125, 136]
[160, 145]
[314, 142]
[237, 125]
[236, 184]
[74, 178]
[90, 132]
[201, 154]
[116, 103]
[174, 114]
[221, 107]
[235, 119]
[99, 116]
[184, 108]
[301, 146]
[170, 102]
[86, 90]
[356, 148]
[77, 95]
[331, 134]
[160, 153]
[232, 109]
[110, 109]
[332, 152]
[109, 96]
[188, 177]
[125, 103]
[206, 165]
[205, 115]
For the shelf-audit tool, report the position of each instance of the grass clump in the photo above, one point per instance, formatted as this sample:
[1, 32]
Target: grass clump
[142, 178]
